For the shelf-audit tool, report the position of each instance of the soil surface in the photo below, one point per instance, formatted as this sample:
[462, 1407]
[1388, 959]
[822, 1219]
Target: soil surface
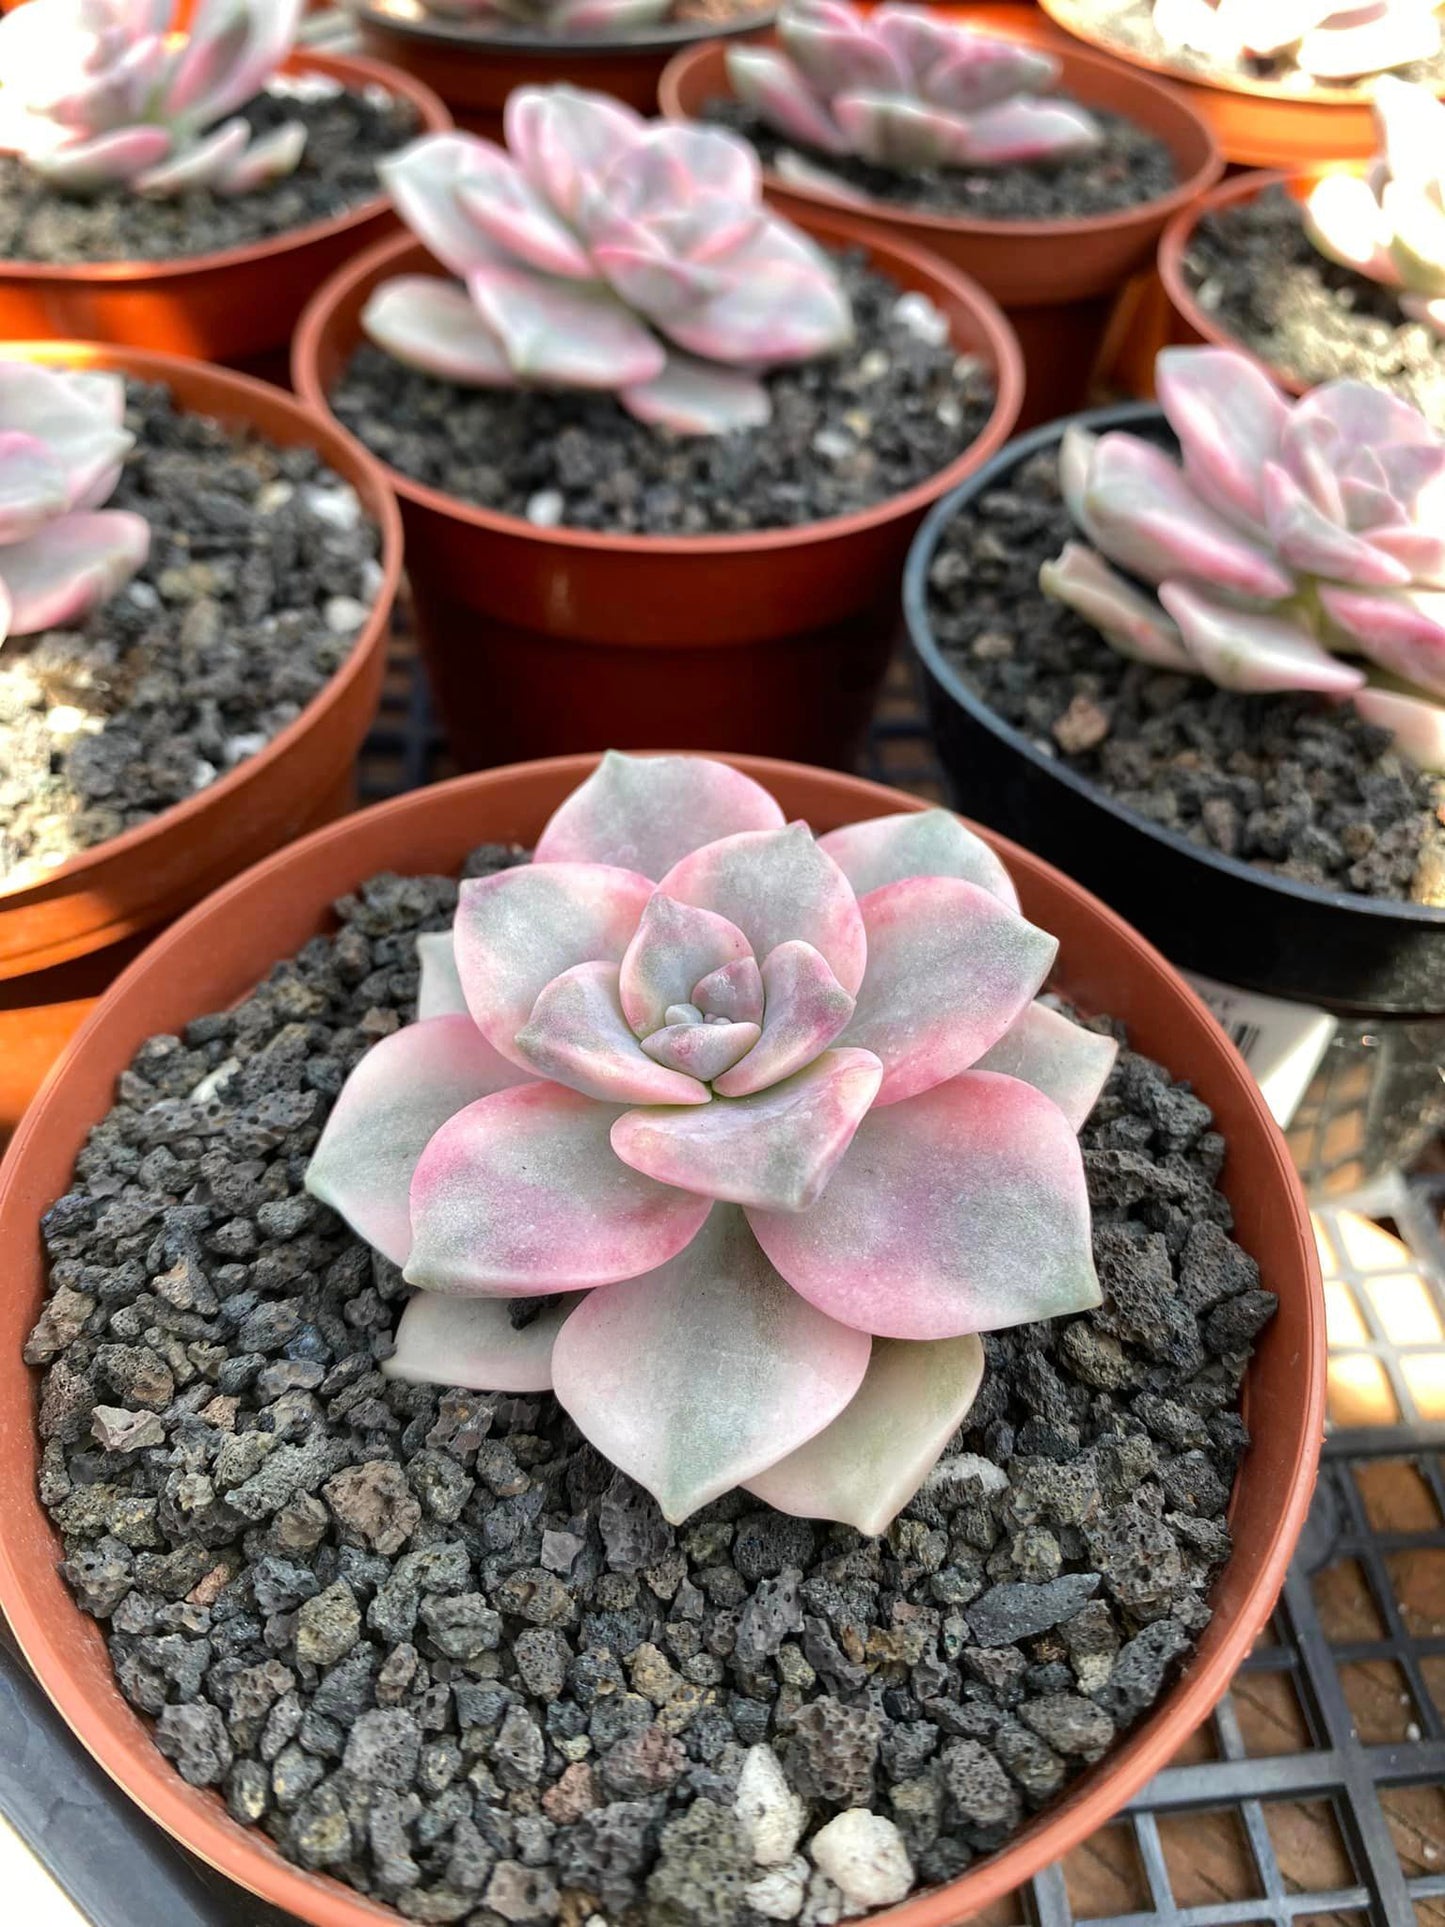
[856, 429]
[261, 572]
[1256, 273]
[1131, 24]
[433, 1644]
[347, 134]
[1288, 783]
[1131, 167]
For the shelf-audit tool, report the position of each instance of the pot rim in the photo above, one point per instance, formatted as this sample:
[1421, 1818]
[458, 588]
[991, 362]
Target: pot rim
[453, 33]
[360, 71]
[923, 223]
[1133, 414]
[247, 1856]
[999, 344]
[237, 398]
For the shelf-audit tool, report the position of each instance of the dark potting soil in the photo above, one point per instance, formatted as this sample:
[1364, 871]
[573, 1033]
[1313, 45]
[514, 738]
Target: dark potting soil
[1293, 785]
[433, 1644]
[1131, 24]
[1254, 270]
[895, 407]
[1131, 167]
[261, 572]
[347, 134]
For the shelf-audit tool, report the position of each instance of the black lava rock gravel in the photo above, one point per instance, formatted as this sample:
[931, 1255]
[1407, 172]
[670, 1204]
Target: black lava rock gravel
[1289, 783]
[432, 1644]
[262, 570]
[893, 409]
[347, 134]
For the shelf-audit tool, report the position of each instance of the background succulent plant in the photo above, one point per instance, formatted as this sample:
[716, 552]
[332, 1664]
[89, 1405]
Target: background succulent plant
[62, 442]
[597, 18]
[604, 251]
[734, 1136]
[1325, 40]
[99, 94]
[1389, 223]
[902, 88]
[1288, 537]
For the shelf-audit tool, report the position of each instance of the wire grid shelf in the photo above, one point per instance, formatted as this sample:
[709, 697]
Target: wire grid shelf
[1314, 1796]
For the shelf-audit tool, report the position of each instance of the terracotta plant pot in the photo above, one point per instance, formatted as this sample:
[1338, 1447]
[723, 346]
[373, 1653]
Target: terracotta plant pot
[1257, 123]
[216, 954]
[474, 71]
[64, 937]
[239, 305]
[1055, 280]
[540, 641]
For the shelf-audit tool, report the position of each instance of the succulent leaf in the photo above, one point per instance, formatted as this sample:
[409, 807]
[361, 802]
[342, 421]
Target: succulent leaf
[1065, 1061]
[476, 1343]
[918, 843]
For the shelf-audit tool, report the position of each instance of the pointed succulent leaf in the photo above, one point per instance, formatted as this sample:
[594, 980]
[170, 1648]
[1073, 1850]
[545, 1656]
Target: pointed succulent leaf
[1403, 630]
[522, 1194]
[432, 324]
[866, 1466]
[86, 166]
[32, 485]
[1062, 1059]
[571, 334]
[798, 171]
[565, 140]
[733, 992]
[645, 813]
[1230, 419]
[693, 397]
[805, 1009]
[515, 218]
[439, 993]
[423, 179]
[971, 71]
[201, 164]
[78, 415]
[1418, 727]
[578, 1036]
[777, 1148]
[916, 843]
[772, 86]
[833, 47]
[1416, 221]
[950, 968]
[476, 1343]
[1309, 541]
[891, 131]
[271, 158]
[702, 1050]
[69, 566]
[904, 1245]
[1345, 220]
[401, 1093]
[675, 945]
[1019, 131]
[1243, 649]
[625, 1368]
[1135, 626]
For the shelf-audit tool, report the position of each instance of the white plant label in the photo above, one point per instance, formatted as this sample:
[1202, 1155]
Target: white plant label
[1281, 1042]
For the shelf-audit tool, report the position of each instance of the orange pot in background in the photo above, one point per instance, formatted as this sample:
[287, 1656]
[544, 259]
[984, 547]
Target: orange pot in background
[1055, 280]
[224, 947]
[64, 937]
[236, 306]
[540, 641]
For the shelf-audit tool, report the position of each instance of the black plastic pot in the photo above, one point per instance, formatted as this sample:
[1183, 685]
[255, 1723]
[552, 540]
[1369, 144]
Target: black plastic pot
[1358, 956]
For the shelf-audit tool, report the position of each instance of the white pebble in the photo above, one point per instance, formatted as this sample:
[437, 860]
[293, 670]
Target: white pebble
[833, 445]
[345, 615]
[823, 1904]
[873, 366]
[274, 496]
[312, 86]
[339, 506]
[778, 1893]
[544, 510]
[66, 720]
[949, 412]
[372, 577]
[863, 1854]
[246, 743]
[968, 1465]
[921, 318]
[143, 595]
[770, 1814]
[203, 775]
[213, 1080]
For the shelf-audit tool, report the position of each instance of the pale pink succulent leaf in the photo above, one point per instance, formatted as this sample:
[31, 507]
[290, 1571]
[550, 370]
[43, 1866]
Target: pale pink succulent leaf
[773, 87]
[1309, 541]
[69, 566]
[565, 140]
[702, 1050]
[801, 172]
[1229, 418]
[1403, 630]
[1076, 456]
[675, 944]
[781, 302]
[4, 610]
[834, 47]
[271, 27]
[1416, 221]
[422, 179]
[625, 1367]
[916, 843]
[1345, 416]
[1417, 726]
[901, 1246]
[474, 1343]
[865, 1467]
[439, 991]
[577, 1036]
[950, 968]
[32, 485]
[1018, 131]
[646, 275]
[973, 71]
[1062, 1059]
[513, 215]
[1246, 649]
[201, 164]
[517, 930]
[1344, 219]
[78, 415]
[645, 813]
[84, 166]
[271, 158]
[805, 1010]
[522, 1194]
[734, 992]
[1419, 545]
[569, 333]
[401, 1093]
[777, 1148]
[432, 324]
[679, 159]
[777, 885]
[1130, 622]
[210, 55]
[693, 397]
[892, 131]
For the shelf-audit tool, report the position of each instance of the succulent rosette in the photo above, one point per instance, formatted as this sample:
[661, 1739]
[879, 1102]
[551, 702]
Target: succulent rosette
[1324, 40]
[1294, 545]
[62, 441]
[733, 1136]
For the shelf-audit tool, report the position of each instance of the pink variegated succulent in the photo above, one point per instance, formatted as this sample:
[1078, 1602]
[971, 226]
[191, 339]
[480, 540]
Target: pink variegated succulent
[772, 1122]
[902, 88]
[62, 441]
[1294, 535]
[604, 251]
[1321, 38]
[98, 94]
[592, 19]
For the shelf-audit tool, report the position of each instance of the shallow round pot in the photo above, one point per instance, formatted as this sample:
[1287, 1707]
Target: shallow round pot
[1055, 280]
[474, 71]
[218, 953]
[64, 937]
[1207, 912]
[1257, 123]
[238, 305]
[540, 641]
